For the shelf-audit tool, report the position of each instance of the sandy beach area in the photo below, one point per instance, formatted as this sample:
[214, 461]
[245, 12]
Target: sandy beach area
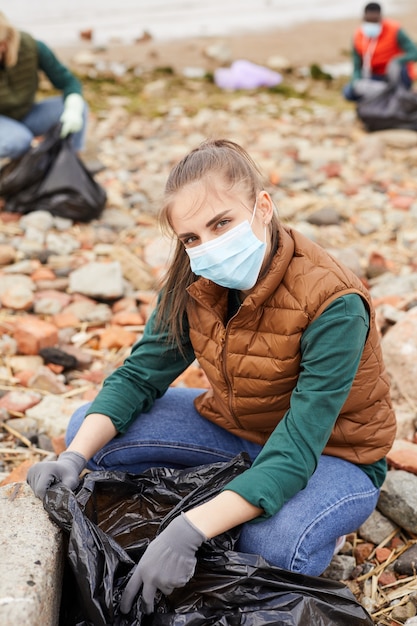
[322, 42]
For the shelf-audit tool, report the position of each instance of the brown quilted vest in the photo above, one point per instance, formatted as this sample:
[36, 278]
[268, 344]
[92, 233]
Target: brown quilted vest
[253, 362]
[19, 84]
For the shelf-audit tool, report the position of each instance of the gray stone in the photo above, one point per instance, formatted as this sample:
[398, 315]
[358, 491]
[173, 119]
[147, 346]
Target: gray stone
[368, 222]
[398, 499]
[21, 267]
[98, 280]
[26, 426]
[9, 281]
[100, 314]
[62, 223]
[324, 217]
[53, 413]
[398, 138]
[40, 220]
[349, 257]
[376, 528]
[35, 235]
[402, 612]
[8, 346]
[389, 284]
[340, 568]
[406, 563]
[61, 243]
[31, 560]
[117, 219]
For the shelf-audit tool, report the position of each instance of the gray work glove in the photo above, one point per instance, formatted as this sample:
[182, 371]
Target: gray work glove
[393, 72]
[168, 562]
[66, 469]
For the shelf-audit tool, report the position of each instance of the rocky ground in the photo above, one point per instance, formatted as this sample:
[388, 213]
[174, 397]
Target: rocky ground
[75, 296]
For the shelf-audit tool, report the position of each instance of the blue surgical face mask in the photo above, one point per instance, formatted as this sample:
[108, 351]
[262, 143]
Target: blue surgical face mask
[231, 260]
[371, 29]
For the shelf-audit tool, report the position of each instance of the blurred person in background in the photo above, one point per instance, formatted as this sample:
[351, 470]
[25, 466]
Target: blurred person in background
[382, 54]
[21, 117]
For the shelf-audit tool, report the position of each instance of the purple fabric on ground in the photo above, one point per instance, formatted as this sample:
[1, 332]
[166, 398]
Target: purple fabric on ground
[245, 75]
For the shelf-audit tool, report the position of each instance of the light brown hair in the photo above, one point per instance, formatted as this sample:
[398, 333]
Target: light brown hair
[11, 35]
[230, 163]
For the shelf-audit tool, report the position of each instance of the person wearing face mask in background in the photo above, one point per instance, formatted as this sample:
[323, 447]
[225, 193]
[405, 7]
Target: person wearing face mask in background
[21, 117]
[382, 53]
[287, 338]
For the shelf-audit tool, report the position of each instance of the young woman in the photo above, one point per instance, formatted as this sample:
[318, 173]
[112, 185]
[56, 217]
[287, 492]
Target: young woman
[21, 118]
[287, 338]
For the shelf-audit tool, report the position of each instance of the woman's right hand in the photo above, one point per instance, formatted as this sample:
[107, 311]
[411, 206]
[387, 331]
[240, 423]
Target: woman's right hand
[66, 470]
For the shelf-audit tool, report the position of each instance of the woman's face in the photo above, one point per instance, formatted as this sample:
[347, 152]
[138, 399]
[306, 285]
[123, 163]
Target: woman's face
[201, 212]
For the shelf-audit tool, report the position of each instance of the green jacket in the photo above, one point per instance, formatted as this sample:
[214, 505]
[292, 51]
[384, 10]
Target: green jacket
[19, 84]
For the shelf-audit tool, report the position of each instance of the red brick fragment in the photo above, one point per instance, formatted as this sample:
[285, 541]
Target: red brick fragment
[403, 455]
[125, 304]
[66, 319]
[32, 334]
[116, 337]
[58, 444]
[128, 318]
[24, 376]
[396, 542]
[362, 551]
[19, 401]
[18, 474]
[402, 202]
[387, 578]
[382, 554]
[8, 218]
[43, 273]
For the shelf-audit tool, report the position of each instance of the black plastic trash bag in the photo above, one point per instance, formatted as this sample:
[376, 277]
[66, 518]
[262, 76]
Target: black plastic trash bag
[395, 107]
[50, 177]
[115, 515]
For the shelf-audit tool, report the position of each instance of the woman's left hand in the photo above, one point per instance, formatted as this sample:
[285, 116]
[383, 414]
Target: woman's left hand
[168, 562]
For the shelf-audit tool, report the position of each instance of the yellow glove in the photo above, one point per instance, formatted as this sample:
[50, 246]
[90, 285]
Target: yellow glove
[72, 117]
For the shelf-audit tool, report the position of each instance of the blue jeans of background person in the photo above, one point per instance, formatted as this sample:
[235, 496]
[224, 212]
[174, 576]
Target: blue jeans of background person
[405, 81]
[301, 537]
[16, 136]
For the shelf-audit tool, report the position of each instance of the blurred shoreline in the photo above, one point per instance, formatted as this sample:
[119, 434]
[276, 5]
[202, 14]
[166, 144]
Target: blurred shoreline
[321, 42]
[58, 23]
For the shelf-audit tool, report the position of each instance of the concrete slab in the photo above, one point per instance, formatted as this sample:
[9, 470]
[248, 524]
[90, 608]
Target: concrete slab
[31, 560]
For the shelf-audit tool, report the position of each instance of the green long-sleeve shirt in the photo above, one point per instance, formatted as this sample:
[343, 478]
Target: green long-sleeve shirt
[331, 349]
[59, 75]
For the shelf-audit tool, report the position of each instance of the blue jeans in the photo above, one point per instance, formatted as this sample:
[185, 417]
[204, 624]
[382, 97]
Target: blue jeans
[16, 136]
[301, 537]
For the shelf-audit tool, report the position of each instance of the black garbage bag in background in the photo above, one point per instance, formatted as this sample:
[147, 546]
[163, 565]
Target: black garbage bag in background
[395, 107]
[51, 177]
[114, 516]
